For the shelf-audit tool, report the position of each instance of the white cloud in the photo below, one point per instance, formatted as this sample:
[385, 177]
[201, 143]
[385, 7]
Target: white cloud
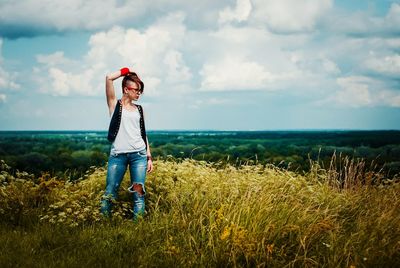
[64, 84]
[364, 23]
[241, 58]
[234, 73]
[54, 76]
[393, 43]
[54, 59]
[239, 14]
[355, 91]
[7, 79]
[3, 98]
[234, 56]
[385, 65]
[290, 16]
[330, 67]
[314, 63]
[389, 97]
[266, 61]
[176, 67]
[361, 91]
[393, 16]
[32, 17]
[153, 53]
[69, 15]
[369, 55]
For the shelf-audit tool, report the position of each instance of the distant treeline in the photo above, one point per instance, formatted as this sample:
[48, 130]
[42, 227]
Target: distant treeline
[70, 154]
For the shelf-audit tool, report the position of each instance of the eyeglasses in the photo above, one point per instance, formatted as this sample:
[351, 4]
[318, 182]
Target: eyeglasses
[137, 90]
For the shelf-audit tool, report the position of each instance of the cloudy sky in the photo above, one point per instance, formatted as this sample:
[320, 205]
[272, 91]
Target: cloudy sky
[207, 65]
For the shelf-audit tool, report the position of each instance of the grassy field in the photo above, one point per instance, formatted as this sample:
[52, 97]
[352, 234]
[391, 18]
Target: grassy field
[204, 215]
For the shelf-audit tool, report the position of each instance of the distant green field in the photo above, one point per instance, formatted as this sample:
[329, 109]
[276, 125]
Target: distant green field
[70, 154]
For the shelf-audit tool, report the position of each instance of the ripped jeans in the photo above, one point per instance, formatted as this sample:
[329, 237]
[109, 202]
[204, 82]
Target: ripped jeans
[117, 164]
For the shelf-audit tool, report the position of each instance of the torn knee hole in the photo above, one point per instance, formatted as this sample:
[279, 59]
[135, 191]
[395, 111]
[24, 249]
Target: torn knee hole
[138, 188]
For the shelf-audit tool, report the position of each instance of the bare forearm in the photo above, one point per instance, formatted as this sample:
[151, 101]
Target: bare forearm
[114, 75]
[148, 147]
[150, 166]
[110, 91]
[109, 82]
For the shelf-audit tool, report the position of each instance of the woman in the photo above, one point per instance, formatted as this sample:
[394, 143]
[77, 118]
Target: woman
[130, 146]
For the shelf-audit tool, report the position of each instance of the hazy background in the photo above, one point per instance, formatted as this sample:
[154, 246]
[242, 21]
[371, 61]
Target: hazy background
[209, 65]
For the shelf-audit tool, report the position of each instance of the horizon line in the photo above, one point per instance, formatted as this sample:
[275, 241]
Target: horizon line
[199, 130]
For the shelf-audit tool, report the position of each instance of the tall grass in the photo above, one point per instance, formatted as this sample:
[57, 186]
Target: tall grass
[202, 214]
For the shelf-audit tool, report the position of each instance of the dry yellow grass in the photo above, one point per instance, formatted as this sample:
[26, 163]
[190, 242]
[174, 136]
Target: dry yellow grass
[202, 214]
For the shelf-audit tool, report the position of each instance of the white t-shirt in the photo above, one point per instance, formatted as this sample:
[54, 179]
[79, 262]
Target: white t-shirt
[129, 138]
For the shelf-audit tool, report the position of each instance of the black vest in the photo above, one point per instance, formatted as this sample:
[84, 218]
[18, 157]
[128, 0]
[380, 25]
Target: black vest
[116, 122]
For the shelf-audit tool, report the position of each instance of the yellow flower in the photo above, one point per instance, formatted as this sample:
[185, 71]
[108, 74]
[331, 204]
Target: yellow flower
[220, 213]
[225, 233]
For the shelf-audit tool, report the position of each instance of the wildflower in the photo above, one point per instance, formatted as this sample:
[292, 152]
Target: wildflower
[326, 245]
[270, 248]
[62, 214]
[225, 233]
[45, 217]
[220, 213]
[173, 249]
[239, 236]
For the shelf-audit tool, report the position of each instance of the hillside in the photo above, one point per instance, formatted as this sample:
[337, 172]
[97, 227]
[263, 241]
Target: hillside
[202, 214]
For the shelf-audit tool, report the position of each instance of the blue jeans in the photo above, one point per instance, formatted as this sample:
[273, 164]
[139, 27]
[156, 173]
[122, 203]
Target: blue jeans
[117, 164]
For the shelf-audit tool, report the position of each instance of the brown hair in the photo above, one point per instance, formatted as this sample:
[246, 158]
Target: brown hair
[133, 77]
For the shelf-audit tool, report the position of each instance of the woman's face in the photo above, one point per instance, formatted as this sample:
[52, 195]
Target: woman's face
[132, 90]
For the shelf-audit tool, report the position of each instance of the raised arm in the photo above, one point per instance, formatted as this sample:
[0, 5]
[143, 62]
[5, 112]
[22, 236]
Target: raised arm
[110, 91]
